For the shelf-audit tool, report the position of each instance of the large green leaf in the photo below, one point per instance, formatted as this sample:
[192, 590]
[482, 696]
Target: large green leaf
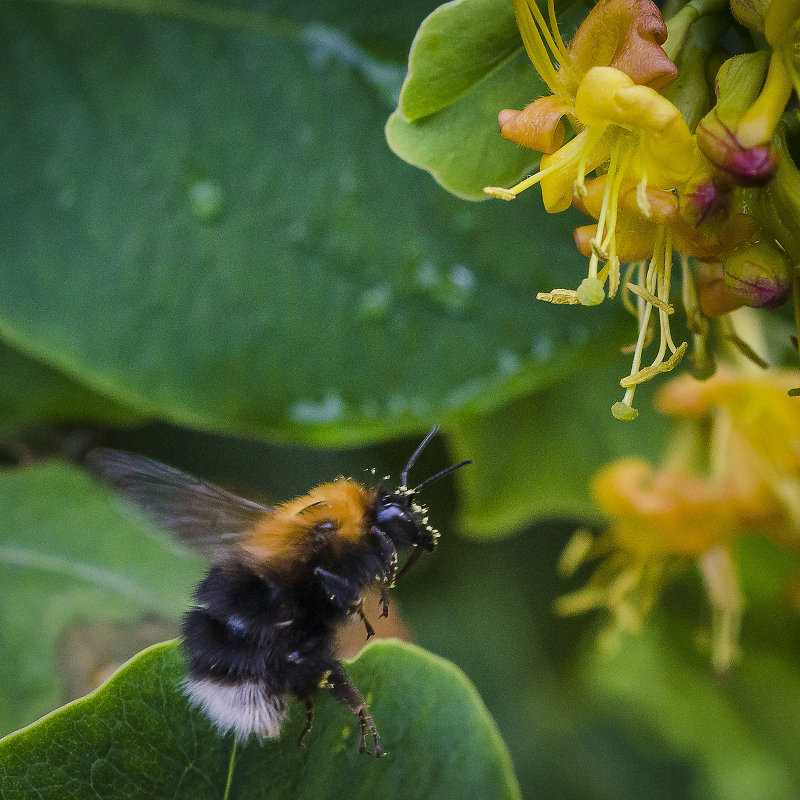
[31, 391]
[203, 224]
[67, 558]
[138, 737]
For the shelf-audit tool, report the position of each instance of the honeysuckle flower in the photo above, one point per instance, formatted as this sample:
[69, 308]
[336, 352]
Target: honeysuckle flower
[758, 439]
[661, 521]
[640, 135]
[733, 468]
[625, 34]
[653, 187]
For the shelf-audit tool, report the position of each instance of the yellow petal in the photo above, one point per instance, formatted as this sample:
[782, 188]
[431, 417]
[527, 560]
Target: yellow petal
[609, 96]
[558, 185]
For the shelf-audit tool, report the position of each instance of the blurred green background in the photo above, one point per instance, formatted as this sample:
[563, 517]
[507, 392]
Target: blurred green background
[209, 255]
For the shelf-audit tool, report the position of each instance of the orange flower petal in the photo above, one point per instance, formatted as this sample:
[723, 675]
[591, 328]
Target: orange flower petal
[538, 126]
[626, 34]
[669, 511]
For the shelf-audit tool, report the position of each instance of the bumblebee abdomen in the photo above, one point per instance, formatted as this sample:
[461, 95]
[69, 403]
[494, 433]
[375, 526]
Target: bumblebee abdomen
[249, 647]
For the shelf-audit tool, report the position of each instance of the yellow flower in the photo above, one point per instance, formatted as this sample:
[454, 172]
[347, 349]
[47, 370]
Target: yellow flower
[756, 444]
[625, 34]
[640, 135]
[660, 522]
[733, 468]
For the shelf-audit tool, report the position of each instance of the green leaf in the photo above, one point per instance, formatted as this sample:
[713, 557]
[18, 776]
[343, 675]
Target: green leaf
[189, 249]
[68, 560]
[535, 457]
[137, 736]
[467, 63]
[460, 145]
[456, 48]
[31, 392]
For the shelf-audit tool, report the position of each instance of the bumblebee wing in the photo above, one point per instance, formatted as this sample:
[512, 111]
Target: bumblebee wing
[199, 513]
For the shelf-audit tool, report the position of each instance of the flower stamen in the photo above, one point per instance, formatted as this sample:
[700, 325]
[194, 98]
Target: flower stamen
[537, 38]
[650, 298]
[501, 193]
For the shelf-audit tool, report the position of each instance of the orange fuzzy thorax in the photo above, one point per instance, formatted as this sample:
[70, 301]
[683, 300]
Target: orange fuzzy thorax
[294, 523]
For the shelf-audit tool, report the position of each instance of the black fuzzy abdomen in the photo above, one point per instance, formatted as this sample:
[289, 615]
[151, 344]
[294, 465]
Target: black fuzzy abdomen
[248, 628]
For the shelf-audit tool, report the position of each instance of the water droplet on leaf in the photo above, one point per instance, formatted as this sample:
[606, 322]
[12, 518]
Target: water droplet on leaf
[206, 200]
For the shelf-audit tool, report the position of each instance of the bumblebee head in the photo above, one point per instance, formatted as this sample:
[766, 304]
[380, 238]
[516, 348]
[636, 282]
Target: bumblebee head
[401, 518]
[404, 521]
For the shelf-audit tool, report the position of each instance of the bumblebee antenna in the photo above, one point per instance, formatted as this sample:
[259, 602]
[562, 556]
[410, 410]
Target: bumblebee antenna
[441, 474]
[415, 456]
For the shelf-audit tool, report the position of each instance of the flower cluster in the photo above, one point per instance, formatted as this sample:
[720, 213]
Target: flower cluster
[630, 136]
[734, 469]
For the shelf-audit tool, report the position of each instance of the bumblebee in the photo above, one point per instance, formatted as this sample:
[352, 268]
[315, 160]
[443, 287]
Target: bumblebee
[283, 580]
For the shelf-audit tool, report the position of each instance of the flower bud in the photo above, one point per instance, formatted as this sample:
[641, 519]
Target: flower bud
[745, 166]
[713, 293]
[750, 13]
[759, 272]
[777, 205]
[739, 82]
[708, 200]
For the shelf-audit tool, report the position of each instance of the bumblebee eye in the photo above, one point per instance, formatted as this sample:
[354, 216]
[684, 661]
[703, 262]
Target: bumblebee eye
[391, 512]
[396, 523]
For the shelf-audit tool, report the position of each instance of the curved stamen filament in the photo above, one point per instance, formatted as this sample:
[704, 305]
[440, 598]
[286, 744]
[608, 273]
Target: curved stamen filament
[532, 37]
[601, 219]
[657, 287]
[563, 55]
[644, 309]
[613, 207]
[609, 244]
[664, 281]
[509, 194]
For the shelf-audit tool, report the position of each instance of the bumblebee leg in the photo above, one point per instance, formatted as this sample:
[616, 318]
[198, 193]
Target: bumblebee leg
[343, 593]
[384, 601]
[388, 554]
[309, 719]
[369, 628]
[351, 698]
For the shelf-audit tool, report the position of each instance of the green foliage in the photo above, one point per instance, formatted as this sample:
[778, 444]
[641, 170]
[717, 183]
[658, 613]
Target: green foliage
[548, 458]
[467, 63]
[203, 226]
[68, 555]
[137, 736]
[199, 250]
